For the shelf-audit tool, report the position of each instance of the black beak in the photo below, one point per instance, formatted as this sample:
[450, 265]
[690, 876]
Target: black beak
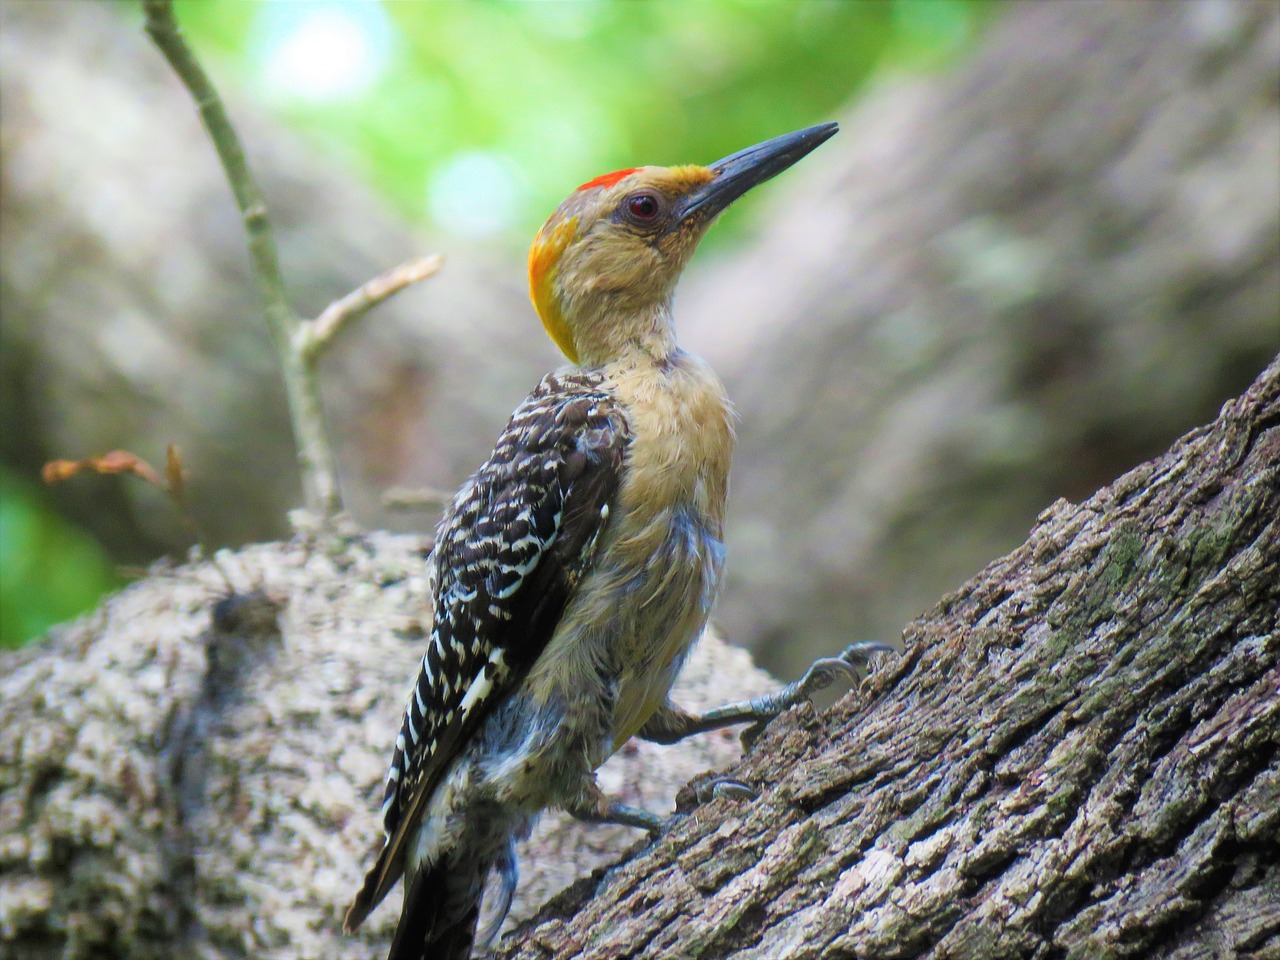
[741, 171]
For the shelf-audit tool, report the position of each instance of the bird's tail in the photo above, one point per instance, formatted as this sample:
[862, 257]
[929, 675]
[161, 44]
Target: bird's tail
[441, 908]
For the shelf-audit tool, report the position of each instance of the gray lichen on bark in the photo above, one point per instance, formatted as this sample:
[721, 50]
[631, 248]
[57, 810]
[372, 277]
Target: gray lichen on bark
[197, 772]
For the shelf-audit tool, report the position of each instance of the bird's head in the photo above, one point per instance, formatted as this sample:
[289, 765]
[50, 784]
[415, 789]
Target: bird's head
[603, 268]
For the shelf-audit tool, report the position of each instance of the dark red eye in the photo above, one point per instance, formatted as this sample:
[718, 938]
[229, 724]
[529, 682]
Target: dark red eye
[642, 207]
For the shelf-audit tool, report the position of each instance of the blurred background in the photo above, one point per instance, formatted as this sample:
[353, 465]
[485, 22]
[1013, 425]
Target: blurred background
[1045, 244]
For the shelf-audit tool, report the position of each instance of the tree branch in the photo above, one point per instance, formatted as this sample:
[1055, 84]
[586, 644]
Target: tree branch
[299, 343]
[314, 337]
[1077, 755]
[162, 26]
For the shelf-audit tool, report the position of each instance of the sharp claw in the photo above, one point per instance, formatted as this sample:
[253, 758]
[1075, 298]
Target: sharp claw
[822, 673]
[725, 788]
[728, 789]
[863, 650]
[612, 811]
[852, 663]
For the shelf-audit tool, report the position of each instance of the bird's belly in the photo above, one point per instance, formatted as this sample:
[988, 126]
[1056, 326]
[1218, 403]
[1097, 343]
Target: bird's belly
[676, 590]
[611, 663]
[603, 674]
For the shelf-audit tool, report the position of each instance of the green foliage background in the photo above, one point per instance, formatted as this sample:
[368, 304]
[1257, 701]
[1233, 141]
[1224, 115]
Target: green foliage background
[561, 90]
[542, 94]
[49, 569]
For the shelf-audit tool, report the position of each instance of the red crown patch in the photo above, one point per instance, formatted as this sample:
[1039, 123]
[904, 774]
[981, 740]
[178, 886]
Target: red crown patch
[608, 179]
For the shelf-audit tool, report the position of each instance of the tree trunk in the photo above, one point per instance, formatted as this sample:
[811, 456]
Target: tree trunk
[1076, 756]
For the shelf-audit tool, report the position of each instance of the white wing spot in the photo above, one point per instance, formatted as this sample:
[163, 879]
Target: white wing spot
[480, 688]
[508, 591]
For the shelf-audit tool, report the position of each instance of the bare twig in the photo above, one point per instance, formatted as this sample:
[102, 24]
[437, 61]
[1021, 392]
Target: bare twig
[299, 343]
[315, 459]
[313, 337]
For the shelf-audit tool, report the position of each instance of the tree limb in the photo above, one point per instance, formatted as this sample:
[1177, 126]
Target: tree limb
[315, 459]
[316, 335]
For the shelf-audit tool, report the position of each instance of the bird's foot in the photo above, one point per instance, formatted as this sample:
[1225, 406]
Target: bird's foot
[852, 663]
[608, 810]
[726, 788]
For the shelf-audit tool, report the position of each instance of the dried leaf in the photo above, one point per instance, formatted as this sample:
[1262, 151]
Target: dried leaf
[55, 471]
[117, 461]
[173, 472]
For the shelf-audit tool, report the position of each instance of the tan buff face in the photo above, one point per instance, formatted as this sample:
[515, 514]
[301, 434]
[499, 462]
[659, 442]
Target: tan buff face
[616, 246]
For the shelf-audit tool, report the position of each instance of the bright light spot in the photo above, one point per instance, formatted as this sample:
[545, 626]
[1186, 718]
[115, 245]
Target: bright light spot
[477, 194]
[322, 50]
[557, 18]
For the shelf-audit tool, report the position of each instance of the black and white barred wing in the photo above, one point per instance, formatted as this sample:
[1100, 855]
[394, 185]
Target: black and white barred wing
[508, 555]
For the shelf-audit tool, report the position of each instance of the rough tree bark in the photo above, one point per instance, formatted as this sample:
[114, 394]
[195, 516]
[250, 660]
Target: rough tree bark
[1077, 755]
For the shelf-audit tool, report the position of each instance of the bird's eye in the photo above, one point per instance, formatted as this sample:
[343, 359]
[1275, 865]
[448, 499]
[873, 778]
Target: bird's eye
[642, 207]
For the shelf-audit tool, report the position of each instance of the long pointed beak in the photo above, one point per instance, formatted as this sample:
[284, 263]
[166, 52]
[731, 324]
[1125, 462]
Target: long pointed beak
[741, 171]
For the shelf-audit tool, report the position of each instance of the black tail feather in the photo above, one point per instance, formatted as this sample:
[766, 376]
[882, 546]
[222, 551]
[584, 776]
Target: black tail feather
[441, 909]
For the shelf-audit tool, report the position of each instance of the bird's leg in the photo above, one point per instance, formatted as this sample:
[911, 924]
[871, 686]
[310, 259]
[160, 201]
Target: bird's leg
[593, 806]
[671, 724]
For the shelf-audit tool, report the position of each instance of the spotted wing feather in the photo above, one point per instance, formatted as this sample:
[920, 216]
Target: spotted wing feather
[509, 553]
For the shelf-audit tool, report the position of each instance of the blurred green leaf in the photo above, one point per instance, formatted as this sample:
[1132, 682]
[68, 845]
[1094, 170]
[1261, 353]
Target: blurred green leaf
[50, 570]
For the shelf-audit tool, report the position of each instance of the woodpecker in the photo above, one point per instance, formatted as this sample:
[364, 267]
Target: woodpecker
[576, 567]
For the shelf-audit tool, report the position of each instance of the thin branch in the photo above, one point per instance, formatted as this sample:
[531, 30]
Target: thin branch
[313, 337]
[164, 31]
[315, 458]
[299, 343]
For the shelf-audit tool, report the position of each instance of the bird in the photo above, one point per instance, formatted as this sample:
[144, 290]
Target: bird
[576, 567]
